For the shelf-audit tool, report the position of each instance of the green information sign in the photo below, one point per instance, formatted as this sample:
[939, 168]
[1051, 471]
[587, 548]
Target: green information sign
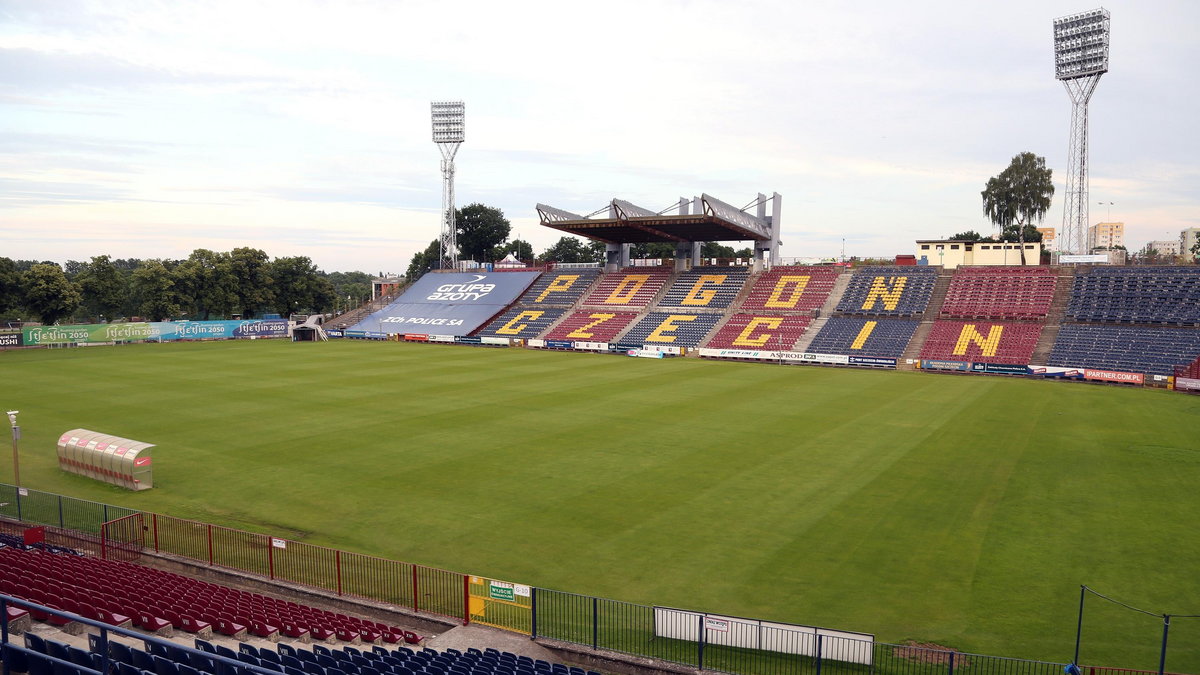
[498, 590]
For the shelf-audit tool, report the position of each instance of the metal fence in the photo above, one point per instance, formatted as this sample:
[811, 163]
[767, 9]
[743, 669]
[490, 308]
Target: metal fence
[773, 649]
[677, 636]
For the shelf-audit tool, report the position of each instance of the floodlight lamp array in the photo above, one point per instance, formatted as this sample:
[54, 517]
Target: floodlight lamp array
[1081, 44]
[449, 121]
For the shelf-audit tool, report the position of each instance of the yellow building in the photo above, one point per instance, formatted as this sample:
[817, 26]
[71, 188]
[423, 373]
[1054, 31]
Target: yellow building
[1106, 235]
[951, 253]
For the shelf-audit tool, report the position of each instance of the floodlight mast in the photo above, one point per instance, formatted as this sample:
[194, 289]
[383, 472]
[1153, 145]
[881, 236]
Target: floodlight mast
[448, 134]
[1080, 58]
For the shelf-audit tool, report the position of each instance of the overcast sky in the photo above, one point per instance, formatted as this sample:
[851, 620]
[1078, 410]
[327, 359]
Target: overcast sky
[150, 129]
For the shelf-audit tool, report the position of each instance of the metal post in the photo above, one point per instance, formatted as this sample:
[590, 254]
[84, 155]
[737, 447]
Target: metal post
[1162, 657]
[533, 612]
[4, 647]
[337, 560]
[1079, 624]
[60, 513]
[819, 645]
[595, 623]
[700, 642]
[16, 434]
[210, 548]
[271, 558]
[466, 599]
[416, 605]
[104, 541]
[154, 520]
[951, 670]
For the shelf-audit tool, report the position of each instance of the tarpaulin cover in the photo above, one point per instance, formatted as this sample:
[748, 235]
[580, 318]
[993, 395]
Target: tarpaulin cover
[449, 304]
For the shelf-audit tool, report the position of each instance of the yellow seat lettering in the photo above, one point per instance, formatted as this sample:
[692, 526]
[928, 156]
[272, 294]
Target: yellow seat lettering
[582, 333]
[627, 289]
[970, 334]
[669, 325]
[747, 338]
[793, 285]
[863, 334]
[699, 295]
[514, 325]
[887, 289]
[562, 283]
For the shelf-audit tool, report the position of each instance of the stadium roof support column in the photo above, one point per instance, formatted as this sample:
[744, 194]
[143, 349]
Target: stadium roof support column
[767, 252]
[686, 250]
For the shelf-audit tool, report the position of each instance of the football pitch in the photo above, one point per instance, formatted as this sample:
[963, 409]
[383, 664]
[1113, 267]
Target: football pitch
[964, 511]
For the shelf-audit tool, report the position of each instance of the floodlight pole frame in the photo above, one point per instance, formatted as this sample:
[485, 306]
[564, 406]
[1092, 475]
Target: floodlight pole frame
[448, 119]
[1081, 58]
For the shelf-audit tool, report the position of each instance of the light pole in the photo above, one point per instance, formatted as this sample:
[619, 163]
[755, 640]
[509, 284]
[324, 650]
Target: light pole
[16, 434]
[448, 133]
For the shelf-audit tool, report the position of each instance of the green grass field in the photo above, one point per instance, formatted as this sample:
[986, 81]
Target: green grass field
[964, 511]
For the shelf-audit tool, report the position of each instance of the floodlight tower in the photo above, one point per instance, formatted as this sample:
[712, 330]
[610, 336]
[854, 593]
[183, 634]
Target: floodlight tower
[448, 121]
[1080, 58]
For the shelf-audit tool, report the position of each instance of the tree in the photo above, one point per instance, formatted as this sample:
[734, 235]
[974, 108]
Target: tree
[299, 286]
[48, 293]
[253, 287]
[970, 235]
[519, 248]
[1019, 196]
[480, 230]
[104, 287]
[424, 261]
[153, 288]
[10, 285]
[1195, 249]
[656, 249]
[207, 279]
[711, 249]
[567, 250]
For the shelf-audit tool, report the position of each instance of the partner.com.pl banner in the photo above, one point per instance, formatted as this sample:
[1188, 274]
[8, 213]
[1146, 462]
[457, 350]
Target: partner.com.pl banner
[156, 330]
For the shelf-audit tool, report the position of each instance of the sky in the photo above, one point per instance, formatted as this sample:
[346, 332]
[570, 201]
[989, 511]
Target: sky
[302, 127]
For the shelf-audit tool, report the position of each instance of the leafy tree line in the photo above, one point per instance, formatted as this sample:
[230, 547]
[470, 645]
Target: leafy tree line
[482, 235]
[205, 285]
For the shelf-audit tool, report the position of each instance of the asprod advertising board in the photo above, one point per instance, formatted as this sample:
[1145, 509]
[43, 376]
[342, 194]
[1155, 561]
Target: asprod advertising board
[449, 304]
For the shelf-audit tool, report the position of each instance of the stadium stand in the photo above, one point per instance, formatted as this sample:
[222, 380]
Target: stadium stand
[631, 288]
[1151, 295]
[759, 331]
[668, 328]
[522, 322]
[158, 657]
[854, 336]
[126, 594]
[889, 291]
[592, 326]
[709, 287]
[792, 289]
[561, 288]
[1004, 293]
[982, 341]
[1135, 349]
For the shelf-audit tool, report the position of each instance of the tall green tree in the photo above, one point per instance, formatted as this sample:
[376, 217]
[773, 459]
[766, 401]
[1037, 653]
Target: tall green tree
[712, 249]
[1196, 249]
[970, 235]
[10, 285]
[519, 248]
[154, 290]
[48, 293]
[1019, 196]
[567, 250]
[300, 287]
[105, 288]
[253, 287]
[424, 261]
[656, 249]
[480, 230]
[206, 277]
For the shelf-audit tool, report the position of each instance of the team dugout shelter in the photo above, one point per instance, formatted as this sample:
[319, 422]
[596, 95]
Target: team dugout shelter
[695, 221]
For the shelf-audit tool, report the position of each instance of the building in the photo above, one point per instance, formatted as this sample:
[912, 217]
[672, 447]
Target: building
[1163, 247]
[1187, 239]
[1106, 236]
[1049, 237]
[951, 253]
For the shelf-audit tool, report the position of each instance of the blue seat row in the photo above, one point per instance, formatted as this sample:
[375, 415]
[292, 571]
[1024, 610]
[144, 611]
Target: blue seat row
[1150, 295]
[889, 291]
[884, 338]
[1136, 349]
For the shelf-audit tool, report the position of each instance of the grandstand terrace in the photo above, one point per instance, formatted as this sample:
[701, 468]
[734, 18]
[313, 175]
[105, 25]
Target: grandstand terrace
[523, 321]
[592, 326]
[859, 336]
[1167, 296]
[559, 288]
[1155, 350]
[982, 341]
[791, 289]
[1003, 293]
[706, 287]
[632, 288]
[889, 291]
[675, 329]
[759, 331]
